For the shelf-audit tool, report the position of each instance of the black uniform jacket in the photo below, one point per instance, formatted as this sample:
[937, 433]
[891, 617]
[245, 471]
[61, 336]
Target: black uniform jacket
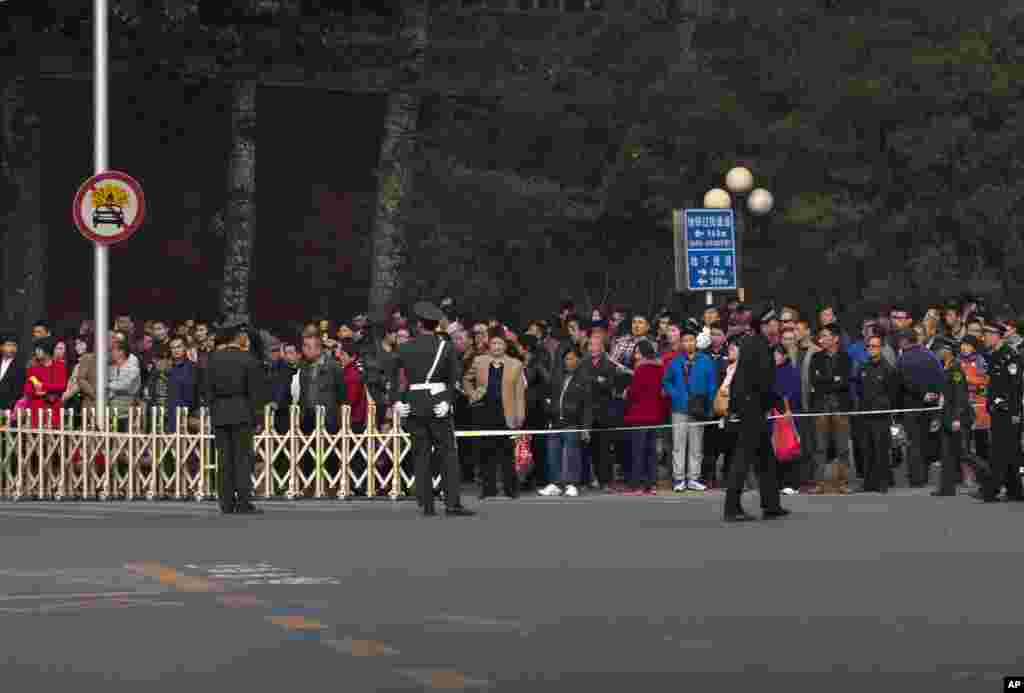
[417, 356]
[1004, 389]
[752, 388]
[956, 402]
[234, 388]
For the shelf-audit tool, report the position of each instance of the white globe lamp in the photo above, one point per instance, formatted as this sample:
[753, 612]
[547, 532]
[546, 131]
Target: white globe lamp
[760, 201]
[739, 180]
[716, 198]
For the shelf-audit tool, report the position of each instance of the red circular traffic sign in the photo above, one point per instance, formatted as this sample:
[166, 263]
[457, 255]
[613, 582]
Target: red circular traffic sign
[109, 207]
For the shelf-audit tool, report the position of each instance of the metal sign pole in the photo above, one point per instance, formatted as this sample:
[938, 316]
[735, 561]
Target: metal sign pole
[101, 12]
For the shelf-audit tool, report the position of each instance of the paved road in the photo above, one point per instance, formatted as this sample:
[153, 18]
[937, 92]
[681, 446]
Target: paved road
[897, 592]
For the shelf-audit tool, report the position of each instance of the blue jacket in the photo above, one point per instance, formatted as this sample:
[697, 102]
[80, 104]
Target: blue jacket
[858, 357]
[181, 391]
[787, 384]
[921, 373]
[702, 381]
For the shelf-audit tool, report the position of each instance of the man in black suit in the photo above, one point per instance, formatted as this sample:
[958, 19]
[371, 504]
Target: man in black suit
[12, 374]
[234, 388]
[752, 397]
[432, 370]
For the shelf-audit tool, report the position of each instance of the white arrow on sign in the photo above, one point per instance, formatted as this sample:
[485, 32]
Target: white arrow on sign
[702, 272]
[702, 282]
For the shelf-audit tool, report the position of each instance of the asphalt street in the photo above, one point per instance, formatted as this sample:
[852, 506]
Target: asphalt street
[868, 592]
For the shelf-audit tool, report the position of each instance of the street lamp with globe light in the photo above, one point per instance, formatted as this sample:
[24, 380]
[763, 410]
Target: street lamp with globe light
[740, 182]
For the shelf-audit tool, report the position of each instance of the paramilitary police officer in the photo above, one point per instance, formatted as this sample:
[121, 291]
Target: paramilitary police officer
[956, 418]
[432, 370]
[234, 388]
[1004, 406]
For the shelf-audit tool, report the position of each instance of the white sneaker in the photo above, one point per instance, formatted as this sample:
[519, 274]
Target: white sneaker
[696, 486]
[680, 487]
[789, 491]
[550, 490]
[571, 491]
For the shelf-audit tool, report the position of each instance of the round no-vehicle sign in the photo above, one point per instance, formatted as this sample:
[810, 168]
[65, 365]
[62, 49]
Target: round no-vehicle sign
[109, 207]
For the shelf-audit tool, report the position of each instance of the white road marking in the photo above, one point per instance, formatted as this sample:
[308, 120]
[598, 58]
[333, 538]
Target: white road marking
[57, 516]
[79, 595]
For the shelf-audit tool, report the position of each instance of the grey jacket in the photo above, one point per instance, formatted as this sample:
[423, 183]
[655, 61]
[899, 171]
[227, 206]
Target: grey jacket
[123, 386]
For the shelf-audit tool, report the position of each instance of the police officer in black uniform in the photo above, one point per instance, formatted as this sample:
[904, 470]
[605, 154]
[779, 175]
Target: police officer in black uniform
[432, 370]
[752, 396]
[957, 416]
[234, 387]
[1004, 406]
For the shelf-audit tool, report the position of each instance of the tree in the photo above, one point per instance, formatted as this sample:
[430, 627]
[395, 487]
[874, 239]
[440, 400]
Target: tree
[240, 221]
[394, 169]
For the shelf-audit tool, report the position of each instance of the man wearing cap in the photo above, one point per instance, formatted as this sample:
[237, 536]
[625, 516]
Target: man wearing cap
[751, 397]
[432, 370]
[12, 374]
[957, 417]
[234, 388]
[1004, 406]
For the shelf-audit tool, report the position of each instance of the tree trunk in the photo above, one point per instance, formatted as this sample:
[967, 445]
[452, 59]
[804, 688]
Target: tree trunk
[240, 219]
[394, 170]
[25, 235]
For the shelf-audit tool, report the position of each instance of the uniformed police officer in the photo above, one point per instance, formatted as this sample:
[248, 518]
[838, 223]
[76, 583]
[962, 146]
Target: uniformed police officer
[234, 388]
[432, 370]
[1004, 406]
[957, 416]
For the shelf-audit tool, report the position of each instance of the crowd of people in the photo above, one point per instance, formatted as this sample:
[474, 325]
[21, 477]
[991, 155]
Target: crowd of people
[623, 394]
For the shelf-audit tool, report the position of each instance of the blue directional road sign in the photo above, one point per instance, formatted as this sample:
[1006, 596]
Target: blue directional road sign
[710, 238]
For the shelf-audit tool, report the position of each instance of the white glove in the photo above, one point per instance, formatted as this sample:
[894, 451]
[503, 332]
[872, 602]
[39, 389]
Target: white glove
[704, 339]
[442, 409]
[403, 409]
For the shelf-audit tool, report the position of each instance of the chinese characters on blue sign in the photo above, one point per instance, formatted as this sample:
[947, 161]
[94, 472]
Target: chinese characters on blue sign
[710, 242]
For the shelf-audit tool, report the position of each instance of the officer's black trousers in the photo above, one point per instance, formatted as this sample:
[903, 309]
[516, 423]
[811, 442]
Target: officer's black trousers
[429, 433]
[1005, 459]
[876, 445]
[952, 453]
[918, 446]
[753, 448]
[234, 447]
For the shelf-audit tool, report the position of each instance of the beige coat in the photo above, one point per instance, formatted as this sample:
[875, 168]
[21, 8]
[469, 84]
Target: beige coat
[513, 387]
[86, 369]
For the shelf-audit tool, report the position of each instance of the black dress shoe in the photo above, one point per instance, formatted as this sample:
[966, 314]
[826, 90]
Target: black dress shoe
[430, 513]
[773, 514]
[738, 517]
[227, 511]
[458, 511]
[248, 509]
[485, 496]
[943, 494]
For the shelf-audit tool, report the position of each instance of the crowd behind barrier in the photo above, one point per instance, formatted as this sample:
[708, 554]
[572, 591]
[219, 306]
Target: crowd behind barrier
[604, 393]
[65, 457]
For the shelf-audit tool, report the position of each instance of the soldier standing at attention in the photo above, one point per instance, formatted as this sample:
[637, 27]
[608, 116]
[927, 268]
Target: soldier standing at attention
[432, 370]
[1004, 405]
[234, 390]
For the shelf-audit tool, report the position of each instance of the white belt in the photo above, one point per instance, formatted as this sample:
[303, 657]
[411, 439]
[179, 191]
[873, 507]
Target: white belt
[435, 388]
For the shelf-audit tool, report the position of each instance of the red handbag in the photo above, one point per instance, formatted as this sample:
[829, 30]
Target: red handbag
[524, 456]
[785, 439]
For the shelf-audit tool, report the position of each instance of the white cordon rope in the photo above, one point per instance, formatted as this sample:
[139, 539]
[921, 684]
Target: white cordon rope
[718, 422]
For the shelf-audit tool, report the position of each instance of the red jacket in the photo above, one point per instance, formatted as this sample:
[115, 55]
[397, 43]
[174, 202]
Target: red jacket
[53, 380]
[356, 392]
[646, 405]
